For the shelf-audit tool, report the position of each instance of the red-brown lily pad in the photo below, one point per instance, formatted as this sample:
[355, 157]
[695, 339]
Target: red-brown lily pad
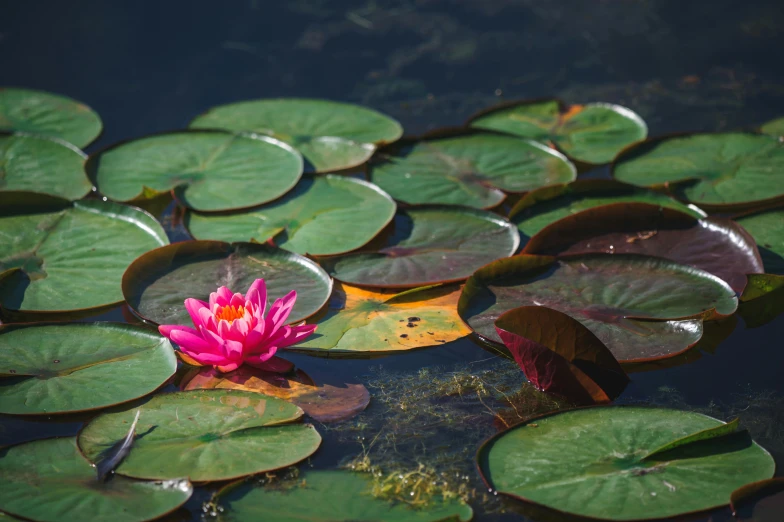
[640, 307]
[559, 355]
[715, 245]
[323, 402]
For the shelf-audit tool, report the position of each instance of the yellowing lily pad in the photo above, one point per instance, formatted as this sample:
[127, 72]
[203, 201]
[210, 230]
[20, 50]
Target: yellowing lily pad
[324, 402]
[363, 321]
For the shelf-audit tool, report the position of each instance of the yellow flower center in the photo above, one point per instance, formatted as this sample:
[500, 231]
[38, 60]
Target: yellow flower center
[229, 313]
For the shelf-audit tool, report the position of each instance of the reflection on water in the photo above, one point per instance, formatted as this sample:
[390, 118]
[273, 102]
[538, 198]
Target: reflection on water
[151, 66]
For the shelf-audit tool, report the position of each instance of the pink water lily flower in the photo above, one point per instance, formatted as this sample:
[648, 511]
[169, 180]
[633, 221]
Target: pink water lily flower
[232, 329]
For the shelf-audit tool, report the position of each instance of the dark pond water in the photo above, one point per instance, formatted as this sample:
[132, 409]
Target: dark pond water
[684, 66]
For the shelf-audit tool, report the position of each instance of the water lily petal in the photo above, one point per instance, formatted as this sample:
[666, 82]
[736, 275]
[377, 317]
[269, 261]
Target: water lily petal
[223, 328]
[239, 330]
[280, 314]
[256, 359]
[194, 307]
[228, 368]
[217, 343]
[234, 350]
[237, 300]
[297, 333]
[221, 297]
[190, 342]
[208, 320]
[166, 329]
[257, 294]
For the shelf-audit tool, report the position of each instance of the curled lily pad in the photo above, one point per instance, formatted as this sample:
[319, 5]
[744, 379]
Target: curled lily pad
[539, 208]
[715, 171]
[44, 165]
[469, 169]
[326, 496]
[362, 321]
[205, 435]
[156, 284]
[591, 133]
[330, 135]
[559, 355]
[597, 466]
[208, 170]
[322, 402]
[57, 368]
[430, 244]
[48, 480]
[716, 245]
[323, 215]
[762, 300]
[774, 127]
[767, 229]
[640, 307]
[48, 114]
[61, 256]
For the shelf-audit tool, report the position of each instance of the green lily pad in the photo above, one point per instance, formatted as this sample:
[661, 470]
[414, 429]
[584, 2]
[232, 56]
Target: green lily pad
[592, 133]
[330, 135]
[328, 496]
[362, 321]
[430, 244]
[48, 480]
[471, 169]
[157, 284]
[716, 245]
[595, 466]
[774, 127]
[48, 114]
[767, 229]
[44, 165]
[61, 256]
[640, 307]
[208, 170]
[544, 206]
[58, 368]
[714, 171]
[323, 215]
[204, 435]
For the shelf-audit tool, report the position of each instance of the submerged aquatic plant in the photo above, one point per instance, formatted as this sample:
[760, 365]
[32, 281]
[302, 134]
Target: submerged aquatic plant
[233, 329]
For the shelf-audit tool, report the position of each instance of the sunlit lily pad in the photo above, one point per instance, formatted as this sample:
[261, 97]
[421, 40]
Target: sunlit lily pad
[591, 133]
[208, 170]
[767, 229]
[44, 165]
[156, 285]
[328, 496]
[57, 368]
[330, 135]
[204, 435]
[640, 307]
[774, 127]
[711, 170]
[716, 245]
[56, 255]
[48, 114]
[322, 402]
[762, 300]
[471, 169]
[48, 480]
[430, 244]
[323, 215]
[596, 465]
[539, 208]
[360, 321]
